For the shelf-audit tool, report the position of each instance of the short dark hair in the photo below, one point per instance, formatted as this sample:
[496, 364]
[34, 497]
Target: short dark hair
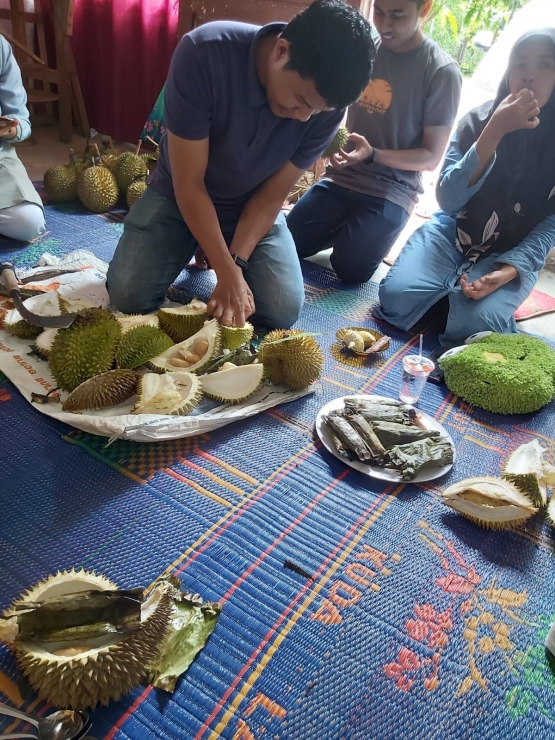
[331, 44]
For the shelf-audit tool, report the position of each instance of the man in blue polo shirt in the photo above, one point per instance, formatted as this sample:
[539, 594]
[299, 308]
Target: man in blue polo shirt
[240, 112]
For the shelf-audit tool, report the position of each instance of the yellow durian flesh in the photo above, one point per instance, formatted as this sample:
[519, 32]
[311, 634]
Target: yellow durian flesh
[233, 384]
[489, 502]
[173, 359]
[368, 338]
[353, 340]
[169, 394]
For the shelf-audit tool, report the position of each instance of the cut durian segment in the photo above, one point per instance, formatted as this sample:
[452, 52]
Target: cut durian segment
[181, 322]
[44, 304]
[291, 358]
[44, 341]
[489, 502]
[191, 355]
[171, 393]
[102, 391]
[526, 468]
[233, 337]
[233, 384]
[96, 670]
[128, 322]
[72, 305]
[353, 340]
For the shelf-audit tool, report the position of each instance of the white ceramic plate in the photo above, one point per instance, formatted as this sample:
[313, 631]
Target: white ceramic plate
[373, 471]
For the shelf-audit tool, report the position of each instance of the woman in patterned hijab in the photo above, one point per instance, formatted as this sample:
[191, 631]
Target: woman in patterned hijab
[483, 250]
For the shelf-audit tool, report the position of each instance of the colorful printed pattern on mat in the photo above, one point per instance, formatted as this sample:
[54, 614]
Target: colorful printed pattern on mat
[352, 608]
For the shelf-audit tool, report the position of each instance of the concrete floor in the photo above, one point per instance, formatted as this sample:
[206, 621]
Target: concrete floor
[45, 150]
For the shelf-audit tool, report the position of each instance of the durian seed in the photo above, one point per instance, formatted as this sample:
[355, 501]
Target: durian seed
[191, 357]
[176, 362]
[200, 347]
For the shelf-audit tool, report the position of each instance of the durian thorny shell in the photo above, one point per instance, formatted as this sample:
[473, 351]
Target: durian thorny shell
[181, 322]
[44, 304]
[338, 142]
[526, 468]
[294, 363]
[210, 332]
[232, 384]
[490, 502]
[102, 673]
[233, 337]
[102, 391]
[140, 344]
[97, 189]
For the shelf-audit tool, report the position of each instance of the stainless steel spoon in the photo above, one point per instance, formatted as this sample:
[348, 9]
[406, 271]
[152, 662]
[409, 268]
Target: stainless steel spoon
[61, 725]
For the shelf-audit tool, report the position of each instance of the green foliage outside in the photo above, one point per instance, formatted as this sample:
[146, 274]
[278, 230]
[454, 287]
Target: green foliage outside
[454, 23]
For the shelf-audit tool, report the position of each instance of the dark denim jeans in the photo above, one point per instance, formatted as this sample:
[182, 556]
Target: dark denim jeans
[156, 245]
[360, 228]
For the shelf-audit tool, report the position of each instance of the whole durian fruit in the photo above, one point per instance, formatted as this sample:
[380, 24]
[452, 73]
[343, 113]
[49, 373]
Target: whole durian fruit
[150, 159]
[295, 363]
[130, 167]
[101, 391]
[85, 349]
[135, 190]
[141, 344]
[97, 189]
[95, 670]
[338, 142]
[60, 181]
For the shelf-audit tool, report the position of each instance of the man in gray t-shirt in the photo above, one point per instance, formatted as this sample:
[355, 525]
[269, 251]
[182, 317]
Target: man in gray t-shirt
[400, 127]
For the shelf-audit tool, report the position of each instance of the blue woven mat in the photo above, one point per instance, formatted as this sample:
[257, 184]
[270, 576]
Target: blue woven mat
[417, 624]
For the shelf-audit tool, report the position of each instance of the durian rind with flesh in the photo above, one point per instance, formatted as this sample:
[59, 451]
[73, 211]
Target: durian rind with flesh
[233, 337]
[87, 348]
[489, 502]
[295, 363]
[97, 189]
[233, 384]
[44, 342]
[526, 469]
[169, 394]
[139, 345]
[44, 304]
[210, 333]
[181, 322]
[101, 391]
[109, 668]
[130, 321]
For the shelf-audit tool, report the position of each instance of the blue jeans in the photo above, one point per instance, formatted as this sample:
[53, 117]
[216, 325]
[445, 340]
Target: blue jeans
[429, 268]
[360, 228]
[156, 245]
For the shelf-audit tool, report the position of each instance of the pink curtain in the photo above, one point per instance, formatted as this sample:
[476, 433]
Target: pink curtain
[122, 51]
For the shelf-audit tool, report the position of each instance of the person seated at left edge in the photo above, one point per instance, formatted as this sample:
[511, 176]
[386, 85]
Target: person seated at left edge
[240, 112]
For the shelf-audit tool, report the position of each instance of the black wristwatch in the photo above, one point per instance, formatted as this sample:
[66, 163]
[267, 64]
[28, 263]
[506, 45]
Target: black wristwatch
[243, 264]
[372, 158]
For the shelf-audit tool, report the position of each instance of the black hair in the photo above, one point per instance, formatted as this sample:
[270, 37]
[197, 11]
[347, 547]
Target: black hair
[331, 44]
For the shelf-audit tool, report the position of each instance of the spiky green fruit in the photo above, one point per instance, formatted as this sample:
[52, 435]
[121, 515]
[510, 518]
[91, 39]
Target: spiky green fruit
[102, 391]
[526, 469]
[129, 168]
[134, 191]
[141, 344]
[291, 358]
[97, 189]
[233, 384]
[338, 142]
[172, 393]
[181, 322]
[44, 342]
[131, 321]
[60, 181]
[150, 159]
[192, 355]
[44, 304]
[489, 502]
[87, 348]
[233, 337]
[98, 670]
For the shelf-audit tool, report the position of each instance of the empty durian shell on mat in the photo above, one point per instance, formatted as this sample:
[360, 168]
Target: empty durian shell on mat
[490, 502]
[374, 341]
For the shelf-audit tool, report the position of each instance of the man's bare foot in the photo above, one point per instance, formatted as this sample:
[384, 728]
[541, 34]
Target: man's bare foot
[200, 261]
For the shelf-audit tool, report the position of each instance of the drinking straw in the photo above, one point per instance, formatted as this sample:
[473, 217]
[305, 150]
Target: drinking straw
[420, 349]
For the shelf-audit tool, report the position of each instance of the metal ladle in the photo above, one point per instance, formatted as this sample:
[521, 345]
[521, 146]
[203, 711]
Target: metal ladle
[64, 724]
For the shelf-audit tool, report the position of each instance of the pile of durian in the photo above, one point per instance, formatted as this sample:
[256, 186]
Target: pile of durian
[80, 641]
[98, 176]
[168, 361]
[506, 502]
